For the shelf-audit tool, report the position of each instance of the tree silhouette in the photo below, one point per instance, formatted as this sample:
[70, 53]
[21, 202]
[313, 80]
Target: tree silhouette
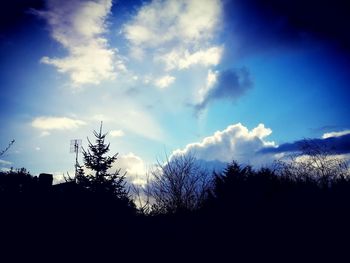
[180, 184]
[233, 187]
[16, 181]
[101, 181]
[314, 162]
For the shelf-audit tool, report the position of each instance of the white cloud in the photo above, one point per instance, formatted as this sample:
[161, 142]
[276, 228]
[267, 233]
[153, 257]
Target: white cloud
[174, 38]
[160, 22]
[180, 33]
[56, 123]
[117, 133]
[78, 26]
[335, 134]
[44, 134]
[211, 81]
[236, 142]
[134, 167]
[164, 81]
[183, 59]
[60, 177]
[211, 78]
[37, 148]
[3, 162]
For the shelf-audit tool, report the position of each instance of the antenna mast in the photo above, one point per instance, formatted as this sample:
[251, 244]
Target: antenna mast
[75, 147]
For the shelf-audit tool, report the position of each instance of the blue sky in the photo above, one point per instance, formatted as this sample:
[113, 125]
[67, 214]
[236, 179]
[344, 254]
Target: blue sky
[222, 78]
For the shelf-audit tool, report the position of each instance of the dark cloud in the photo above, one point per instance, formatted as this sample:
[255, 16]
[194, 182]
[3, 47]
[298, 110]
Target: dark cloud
[263, 24]
[337, 145]
[230, 84]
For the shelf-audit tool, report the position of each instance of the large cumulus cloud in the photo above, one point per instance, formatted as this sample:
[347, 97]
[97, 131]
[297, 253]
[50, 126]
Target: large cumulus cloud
[134, 167]
[236, 142]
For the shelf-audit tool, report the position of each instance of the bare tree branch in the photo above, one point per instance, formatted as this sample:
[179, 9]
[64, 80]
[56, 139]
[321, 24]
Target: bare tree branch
[7, 148]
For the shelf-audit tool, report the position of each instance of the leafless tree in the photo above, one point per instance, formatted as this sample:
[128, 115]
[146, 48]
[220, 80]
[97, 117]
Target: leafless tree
[314, 162]
[179, 184]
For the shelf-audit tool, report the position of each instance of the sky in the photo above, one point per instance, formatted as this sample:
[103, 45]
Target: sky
[225, 80]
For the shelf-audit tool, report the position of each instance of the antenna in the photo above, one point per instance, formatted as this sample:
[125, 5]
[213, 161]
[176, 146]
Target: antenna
[75, 147]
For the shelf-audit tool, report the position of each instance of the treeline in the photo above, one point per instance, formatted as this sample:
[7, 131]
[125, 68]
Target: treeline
[302, 203]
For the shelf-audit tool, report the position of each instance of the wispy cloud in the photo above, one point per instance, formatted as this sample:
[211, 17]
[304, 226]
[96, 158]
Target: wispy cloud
[140, 123]
[335, 134]
[183, 59]
[5, 163]
[44, 133]
[56, 123]
[130, 118]
[79, 26]
[164, 81]
[117, 133]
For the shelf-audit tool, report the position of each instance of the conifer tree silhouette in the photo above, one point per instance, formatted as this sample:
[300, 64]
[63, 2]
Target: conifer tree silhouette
[96, 160]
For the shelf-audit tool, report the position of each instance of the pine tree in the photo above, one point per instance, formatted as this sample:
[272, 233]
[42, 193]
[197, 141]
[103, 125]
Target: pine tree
[101, 181]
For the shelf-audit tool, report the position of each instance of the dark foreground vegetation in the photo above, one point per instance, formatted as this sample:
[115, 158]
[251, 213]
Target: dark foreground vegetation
[298, 210]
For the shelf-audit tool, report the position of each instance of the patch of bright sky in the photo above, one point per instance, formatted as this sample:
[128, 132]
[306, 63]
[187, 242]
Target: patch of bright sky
[294, 91]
